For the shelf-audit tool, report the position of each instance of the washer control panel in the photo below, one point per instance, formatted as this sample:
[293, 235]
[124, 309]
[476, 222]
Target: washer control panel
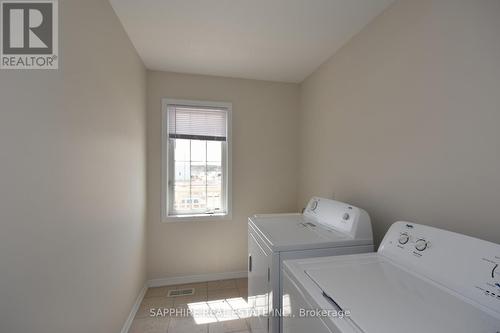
[413, 242]
[492, 288]
[466, 265]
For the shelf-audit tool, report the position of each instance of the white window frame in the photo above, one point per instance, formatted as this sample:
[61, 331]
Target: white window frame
[167, 156]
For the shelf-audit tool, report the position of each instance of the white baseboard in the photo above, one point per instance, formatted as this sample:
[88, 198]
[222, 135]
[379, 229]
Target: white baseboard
[195, 278]
[135, 307]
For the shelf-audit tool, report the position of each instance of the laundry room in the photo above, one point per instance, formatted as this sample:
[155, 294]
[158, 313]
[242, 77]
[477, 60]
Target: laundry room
[265, 166]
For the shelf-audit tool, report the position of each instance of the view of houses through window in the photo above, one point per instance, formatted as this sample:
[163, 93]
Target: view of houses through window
[197, 165]
[198, 183]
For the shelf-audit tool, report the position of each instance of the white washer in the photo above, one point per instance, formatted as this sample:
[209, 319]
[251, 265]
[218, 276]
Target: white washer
[326, 228]
[422, 279]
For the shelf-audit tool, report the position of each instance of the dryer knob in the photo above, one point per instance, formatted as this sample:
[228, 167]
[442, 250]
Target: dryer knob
[346, 216]
[403, 238]
[421, 244]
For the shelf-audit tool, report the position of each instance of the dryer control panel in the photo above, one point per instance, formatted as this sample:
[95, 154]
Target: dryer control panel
[340, 216]
[466, 265]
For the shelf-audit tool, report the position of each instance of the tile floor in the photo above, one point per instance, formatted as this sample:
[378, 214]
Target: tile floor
[223, 294]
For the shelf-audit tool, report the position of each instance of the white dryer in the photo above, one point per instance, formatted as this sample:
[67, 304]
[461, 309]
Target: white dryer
[326, 228]
[422, 279]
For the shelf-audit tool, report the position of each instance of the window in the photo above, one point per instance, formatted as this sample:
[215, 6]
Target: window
[196, 160]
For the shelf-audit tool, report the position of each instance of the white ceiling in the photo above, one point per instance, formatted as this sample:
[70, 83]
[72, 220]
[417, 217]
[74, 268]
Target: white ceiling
[277, 40]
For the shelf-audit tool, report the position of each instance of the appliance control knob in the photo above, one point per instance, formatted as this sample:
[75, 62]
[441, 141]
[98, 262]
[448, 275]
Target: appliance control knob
[421, 244]
[346, 216]
[404, 238]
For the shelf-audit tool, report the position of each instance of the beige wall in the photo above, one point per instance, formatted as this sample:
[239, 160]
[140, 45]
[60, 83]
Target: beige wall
[72, 181]
[264, 171]
[404, 120]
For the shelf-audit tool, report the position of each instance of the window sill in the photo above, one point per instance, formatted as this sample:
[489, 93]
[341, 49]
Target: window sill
[197, 217]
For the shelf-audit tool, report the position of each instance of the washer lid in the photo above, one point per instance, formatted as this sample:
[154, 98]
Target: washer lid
[288, 232]
[382, 297]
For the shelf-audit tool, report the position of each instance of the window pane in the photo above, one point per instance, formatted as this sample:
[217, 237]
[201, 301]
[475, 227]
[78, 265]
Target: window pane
[198, 150]
[182, 176]
[197, 184]
[199, 198]
[182, 173]
[214, 173]
[182, 198]
[198, 173]
[214, 151]
[214, 176]
[214, 198]
[182, 150]
[214, 186]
